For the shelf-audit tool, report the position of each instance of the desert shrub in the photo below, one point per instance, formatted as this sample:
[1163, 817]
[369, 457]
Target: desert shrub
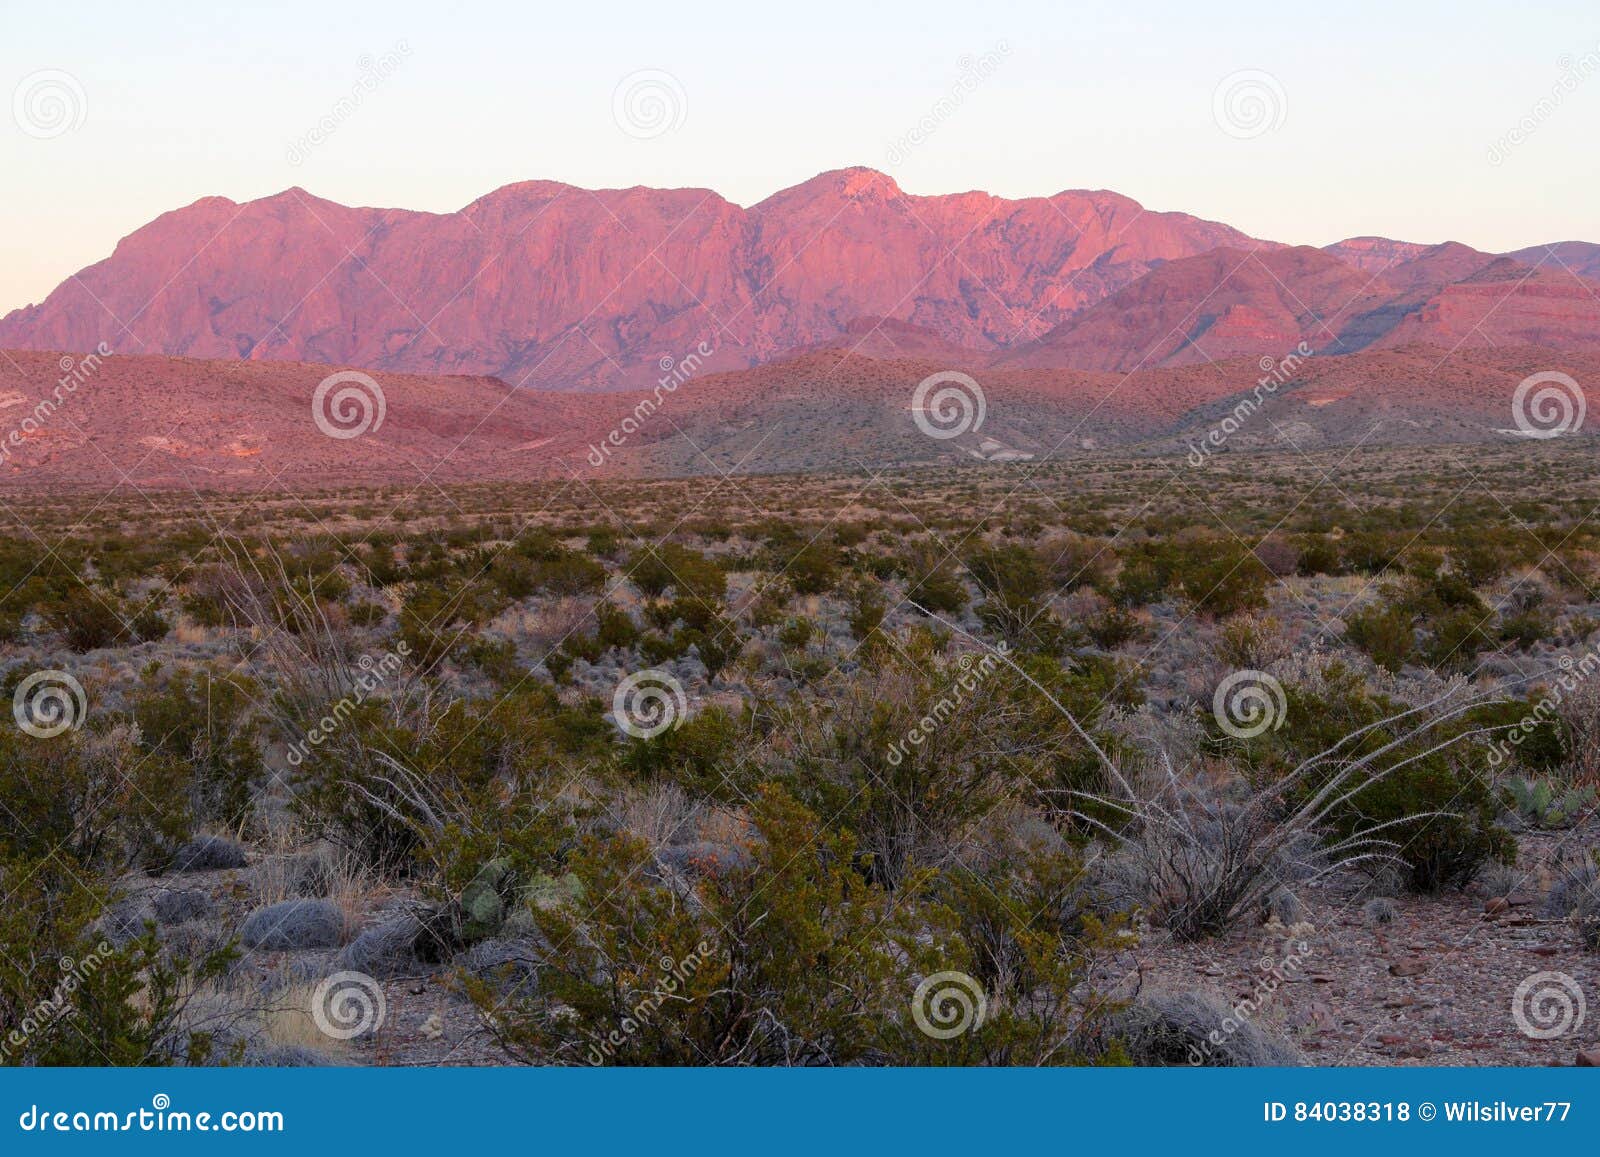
[1074, 560]
[1384, 633]
[1165, 1028]
[1579, 712]
[614, 628]
[94, 795]
[785, 961]
[796, 633]
[1530, 729]
[368, 614]
[569, 574]
[1221, 578]
[898, 756]
[931, 579]
[1369, 551]
[703, 754]
[125, 1005]
[378, 563]
[1112, 627]
[811, 570]
[209, 725]
[393, 784]
[1279, 555]
[1318, 555]
[89, 619]
[1016, 583]
[1015, 927]
[149, 625]
[1525, 629]
[434, 619]
[791, 957]
[698, 580]
[867, 610]
[1399, 781]
[1479, 558]
[718, 643]
[1253, 641]
[910, 752]
[1456, 638]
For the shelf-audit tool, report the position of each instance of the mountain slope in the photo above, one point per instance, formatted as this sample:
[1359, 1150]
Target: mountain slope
[547, 284]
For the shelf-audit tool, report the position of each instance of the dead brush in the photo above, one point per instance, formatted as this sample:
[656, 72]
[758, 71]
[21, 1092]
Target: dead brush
[1208, 855]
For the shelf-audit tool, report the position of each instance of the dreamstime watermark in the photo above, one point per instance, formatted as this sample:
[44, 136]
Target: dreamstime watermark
[948, 404]
[649, 103]
[1249, 703]
[58, 1005]
[971, 676]
[161, 1117]
[373, 71]
[971, 72]
[49, 103]
[347, 1005]
[1249, 103]
[47, 703]
[1272, 975]
[74, 373]
[947, 1004]
[1274, 373]
[675, 975]
[674, 373]
[348, 404]
[1547, 405]
[1574, 673]
[1548, 1005]
[648, 702]
[1572, 73]
[374, 673]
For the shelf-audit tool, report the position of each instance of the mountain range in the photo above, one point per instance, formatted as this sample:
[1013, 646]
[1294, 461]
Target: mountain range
[792, 332]
[544, 284]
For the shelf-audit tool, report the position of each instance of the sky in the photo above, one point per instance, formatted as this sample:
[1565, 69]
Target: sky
[1468, 121]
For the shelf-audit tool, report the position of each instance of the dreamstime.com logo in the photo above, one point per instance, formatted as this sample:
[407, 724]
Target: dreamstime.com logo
[674, 373]
[1274, 373]
[374, 672]
[347, 1005]
[1249, 703]
[971, 72]
[947, 1004]
[948, 404]
[1548, 405]
[74, 373]
[941, 712]
[1548, 1005]
[160, 1117]
[47, 703]
[1274, 974]
[646, 703]
[1249, 103]
[1574, 673]
[649, 103]
[372, 71]
[348, 404]
[49, 103]
[58, 1005]
[675, 974]
[1570, 74]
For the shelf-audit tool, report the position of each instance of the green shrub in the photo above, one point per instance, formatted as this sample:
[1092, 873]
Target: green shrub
[1384, 633]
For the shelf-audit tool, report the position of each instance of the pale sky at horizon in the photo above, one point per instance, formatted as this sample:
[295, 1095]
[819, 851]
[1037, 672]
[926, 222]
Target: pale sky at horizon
[1389, 113]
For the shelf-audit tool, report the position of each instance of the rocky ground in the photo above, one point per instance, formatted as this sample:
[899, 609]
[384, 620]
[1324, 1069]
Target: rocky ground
[1356, 978]
[1435, 983]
